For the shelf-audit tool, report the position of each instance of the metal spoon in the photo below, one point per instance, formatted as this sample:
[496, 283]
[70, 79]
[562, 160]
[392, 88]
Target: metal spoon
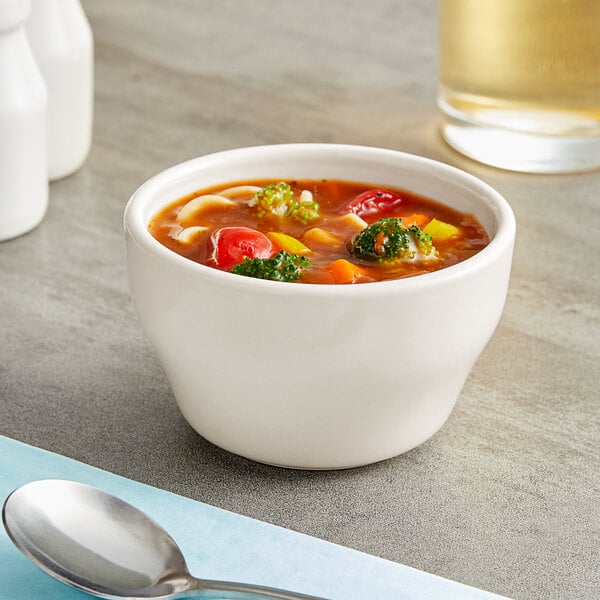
[100, 544]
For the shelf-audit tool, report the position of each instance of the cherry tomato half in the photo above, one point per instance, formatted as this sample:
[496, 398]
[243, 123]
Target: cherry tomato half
[372, 203]
[232, 244]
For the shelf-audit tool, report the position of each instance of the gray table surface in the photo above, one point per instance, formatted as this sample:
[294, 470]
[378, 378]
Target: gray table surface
[505, 497]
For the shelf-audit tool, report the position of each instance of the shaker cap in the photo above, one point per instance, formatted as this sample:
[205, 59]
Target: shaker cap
[13, 13]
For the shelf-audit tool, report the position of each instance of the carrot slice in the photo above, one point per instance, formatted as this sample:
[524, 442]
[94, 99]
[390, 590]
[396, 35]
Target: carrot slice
[343, 271]
[418, 219]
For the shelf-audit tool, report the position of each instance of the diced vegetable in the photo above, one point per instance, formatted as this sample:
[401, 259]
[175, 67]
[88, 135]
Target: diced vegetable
[373, 203]
[353, 222]
[343, 271]
[439, 230]
[322, 237]
[418, 219]
[277, 199]
[282, 267]
[388, 240]
[290, 244]
[231, 245]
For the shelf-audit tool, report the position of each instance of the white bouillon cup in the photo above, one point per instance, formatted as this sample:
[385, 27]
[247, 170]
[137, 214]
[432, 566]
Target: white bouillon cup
[318, 376]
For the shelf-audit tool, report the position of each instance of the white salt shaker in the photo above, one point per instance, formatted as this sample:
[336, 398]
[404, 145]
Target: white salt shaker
[62, 42]
[23, 154]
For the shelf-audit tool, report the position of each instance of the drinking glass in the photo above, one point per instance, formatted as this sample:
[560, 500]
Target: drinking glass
[520, 82]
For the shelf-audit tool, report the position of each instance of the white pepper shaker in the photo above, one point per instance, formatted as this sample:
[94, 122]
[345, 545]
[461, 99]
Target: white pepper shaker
[23, 127]
[61, 39]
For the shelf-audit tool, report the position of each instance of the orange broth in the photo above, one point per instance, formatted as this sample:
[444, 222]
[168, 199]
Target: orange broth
[332, 196]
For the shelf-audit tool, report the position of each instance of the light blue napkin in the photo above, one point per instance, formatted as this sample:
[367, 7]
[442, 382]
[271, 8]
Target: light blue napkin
[217, 544]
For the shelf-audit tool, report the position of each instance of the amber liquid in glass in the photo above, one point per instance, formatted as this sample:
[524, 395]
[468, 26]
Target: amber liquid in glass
[526, 73]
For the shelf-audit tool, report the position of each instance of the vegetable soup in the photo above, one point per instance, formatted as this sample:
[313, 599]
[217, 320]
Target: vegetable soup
[317, 231]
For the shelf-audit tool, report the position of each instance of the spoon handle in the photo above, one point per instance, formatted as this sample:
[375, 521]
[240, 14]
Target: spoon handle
[225, 590]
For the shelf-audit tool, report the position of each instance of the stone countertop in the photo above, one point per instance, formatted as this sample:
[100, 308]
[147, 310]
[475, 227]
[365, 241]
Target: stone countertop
[506, 496]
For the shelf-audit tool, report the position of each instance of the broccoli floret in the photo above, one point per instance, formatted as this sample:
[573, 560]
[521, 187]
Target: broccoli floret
[282, 267]
[423, 240]
[387, 240]
[278, 199]
[305, 209]
[274, 199]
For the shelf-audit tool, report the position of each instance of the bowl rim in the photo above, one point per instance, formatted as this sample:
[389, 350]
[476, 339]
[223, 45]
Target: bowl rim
[136, 226]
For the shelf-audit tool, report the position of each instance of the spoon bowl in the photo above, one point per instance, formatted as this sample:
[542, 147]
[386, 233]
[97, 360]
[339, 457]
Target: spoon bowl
[98, 543]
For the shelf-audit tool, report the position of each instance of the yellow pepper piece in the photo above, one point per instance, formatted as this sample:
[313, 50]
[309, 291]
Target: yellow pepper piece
[288, 243]
[439, 230]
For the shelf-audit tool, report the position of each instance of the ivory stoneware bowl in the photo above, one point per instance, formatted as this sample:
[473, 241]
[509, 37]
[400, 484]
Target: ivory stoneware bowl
[317, 376]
